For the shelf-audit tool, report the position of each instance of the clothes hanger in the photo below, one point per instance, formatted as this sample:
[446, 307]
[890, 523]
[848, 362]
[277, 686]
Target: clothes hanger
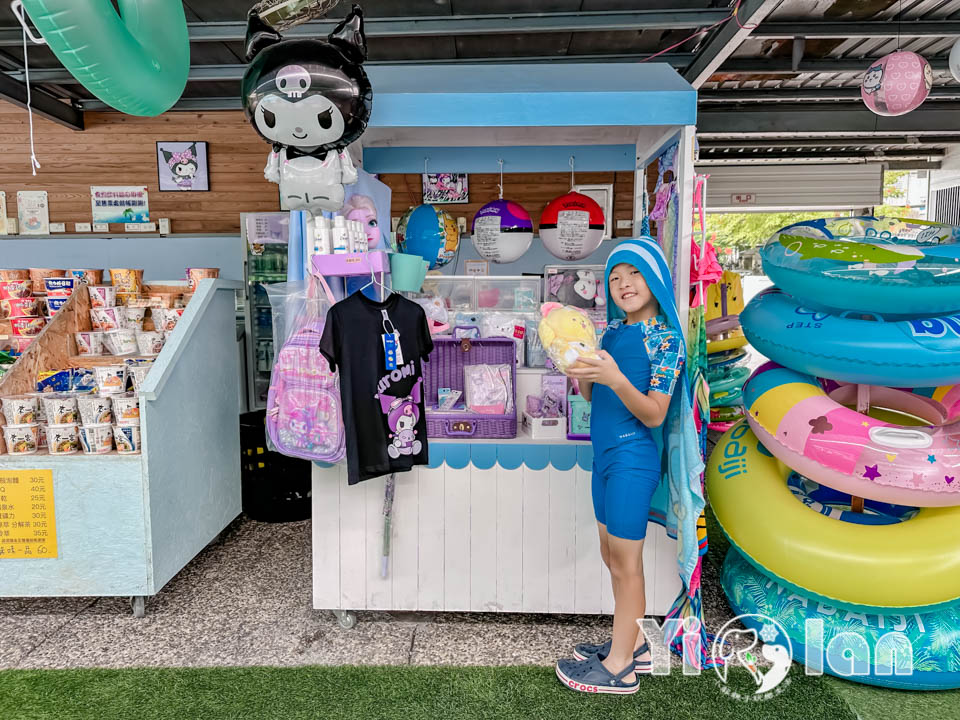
[374, 281]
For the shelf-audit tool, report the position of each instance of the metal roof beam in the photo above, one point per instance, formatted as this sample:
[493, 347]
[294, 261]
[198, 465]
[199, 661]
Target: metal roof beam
[899, 141]
[784, 66]
[790, 94]
[41, 102]
[856, 29]
[839, 154]
[827, 159]
[453, 25]
[726, 39]
[804, 120]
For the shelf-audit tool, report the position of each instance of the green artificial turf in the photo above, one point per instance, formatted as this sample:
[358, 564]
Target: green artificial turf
[879, 703]
[388, 693]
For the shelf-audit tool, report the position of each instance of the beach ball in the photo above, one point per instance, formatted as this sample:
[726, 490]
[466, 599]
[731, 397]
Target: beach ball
[571, 226]
[954, 62]
[502, 231]
[429, 232]
[896, 83]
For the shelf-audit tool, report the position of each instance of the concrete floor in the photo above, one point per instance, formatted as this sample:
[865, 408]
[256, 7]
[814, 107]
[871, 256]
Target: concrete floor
[246, 600]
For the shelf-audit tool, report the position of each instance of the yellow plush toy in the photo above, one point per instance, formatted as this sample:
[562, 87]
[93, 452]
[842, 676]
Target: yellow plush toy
[567, 334]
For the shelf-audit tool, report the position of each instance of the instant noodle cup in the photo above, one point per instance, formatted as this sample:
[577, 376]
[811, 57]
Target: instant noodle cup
[10, 289]
[87, 275]
[63, 439]
[59, 286]
[111, 379]
[95, 410]
[21, 409]
[108, 318]
[20, 307]
[41, 412]
[150, 342]
[126, 280]
[127, 438]
[162, 300]
[41, 436]
[102, 296]
[166, 319]
[18, 274]
[127, 299]
[96, 439]
[89, 343]
[59, 409]
[195, 275]
[22, 439]
[27, 326]
[134, 316]
[126, 409]
[121, 342]
[139, 373]
[54, 304]
[38, 275]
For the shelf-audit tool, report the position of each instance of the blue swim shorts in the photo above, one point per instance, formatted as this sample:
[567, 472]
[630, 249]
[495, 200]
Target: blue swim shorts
[624, 480]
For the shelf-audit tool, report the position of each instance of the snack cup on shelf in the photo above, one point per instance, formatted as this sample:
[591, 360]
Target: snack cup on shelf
[127, 298]
[21, 409]
[126, 409]
[195, 275]
[126, 280]
[127, 438]
[41, 436]
[89, 343]
[150, 342]
[95, 410]
[11, 289]
[59, 286]
[108, 318]
[22, 439]
[59, 409]
[20, 344]
[54, 304]
[20, 307]
[38, 275]
[111, 379]
[102, 296]
[134, 317]
[138, 373]
[27, 326]
[87, 275]
[41, 412]
[18, 274]
[96, 439]
[166, 319]
[121, 342]
[63, 439]
[162, 300]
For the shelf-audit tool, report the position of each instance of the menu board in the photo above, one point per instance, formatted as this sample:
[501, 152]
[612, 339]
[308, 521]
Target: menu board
[28, 527]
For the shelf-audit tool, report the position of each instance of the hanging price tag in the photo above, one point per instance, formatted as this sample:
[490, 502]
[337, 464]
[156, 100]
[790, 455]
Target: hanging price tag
[389, 350]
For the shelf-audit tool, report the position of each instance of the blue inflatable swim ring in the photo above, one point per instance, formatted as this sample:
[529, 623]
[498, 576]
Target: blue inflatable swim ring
[868, 264]
[934, 663]
[905, 353]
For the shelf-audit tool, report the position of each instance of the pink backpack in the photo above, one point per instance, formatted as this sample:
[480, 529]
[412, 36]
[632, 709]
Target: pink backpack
[304, 417]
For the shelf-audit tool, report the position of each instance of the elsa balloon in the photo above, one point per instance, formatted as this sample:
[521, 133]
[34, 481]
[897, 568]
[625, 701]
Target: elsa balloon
[310, 99]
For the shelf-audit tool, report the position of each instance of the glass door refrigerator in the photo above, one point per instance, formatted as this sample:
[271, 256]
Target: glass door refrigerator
[266, 236]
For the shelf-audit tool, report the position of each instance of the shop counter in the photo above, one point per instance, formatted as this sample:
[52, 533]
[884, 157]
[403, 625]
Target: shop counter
[489, 526]
[126, 524]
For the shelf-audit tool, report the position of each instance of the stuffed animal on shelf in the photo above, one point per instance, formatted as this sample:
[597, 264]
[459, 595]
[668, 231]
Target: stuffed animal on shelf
[567, 334]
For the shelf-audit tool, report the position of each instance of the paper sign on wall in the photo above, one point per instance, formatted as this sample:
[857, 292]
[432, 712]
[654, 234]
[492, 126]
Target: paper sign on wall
[3, 213]
[119, 204]
[33, 212]
[477, 267]
[28, 527]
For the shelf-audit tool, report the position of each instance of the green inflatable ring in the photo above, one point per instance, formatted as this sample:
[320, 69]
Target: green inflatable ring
[136, 62]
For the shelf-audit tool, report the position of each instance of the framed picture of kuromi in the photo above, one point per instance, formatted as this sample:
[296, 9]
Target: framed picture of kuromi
[183, 166]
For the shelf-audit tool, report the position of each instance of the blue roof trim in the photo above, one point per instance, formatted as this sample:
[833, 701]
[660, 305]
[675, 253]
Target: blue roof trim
[510, 456]
[519, 158]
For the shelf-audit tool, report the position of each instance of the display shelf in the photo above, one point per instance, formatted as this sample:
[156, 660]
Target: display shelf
[86, 361]
[523, 438]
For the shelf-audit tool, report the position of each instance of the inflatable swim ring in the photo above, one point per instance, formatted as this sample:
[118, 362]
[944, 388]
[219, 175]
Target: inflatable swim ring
[136, 61]
[734, 339]
[906, 353]
[818, 436]
[725, 378]
[918, 560]
[726, 358]
[932, 635]
[884, 265]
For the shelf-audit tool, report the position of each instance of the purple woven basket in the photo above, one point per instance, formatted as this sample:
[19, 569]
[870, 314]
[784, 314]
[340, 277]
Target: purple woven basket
[445, 369]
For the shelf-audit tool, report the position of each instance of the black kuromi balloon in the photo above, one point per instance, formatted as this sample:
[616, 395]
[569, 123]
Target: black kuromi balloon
[310, 99]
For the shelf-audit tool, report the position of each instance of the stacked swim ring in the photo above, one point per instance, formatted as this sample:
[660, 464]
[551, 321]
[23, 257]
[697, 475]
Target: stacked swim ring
[726, 369]
[840, 491]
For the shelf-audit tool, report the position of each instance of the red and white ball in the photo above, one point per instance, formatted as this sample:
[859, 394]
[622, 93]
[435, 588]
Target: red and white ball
[571, 226]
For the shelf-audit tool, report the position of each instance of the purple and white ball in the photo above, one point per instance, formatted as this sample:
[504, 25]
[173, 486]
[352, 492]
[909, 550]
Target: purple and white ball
[502, 231]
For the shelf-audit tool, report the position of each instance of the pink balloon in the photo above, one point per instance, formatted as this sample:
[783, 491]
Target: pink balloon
[896, 83]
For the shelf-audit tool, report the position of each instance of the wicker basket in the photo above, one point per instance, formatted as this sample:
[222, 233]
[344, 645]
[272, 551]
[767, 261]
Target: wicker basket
[445, 369]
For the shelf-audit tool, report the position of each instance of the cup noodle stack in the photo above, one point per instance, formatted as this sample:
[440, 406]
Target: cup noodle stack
[74, 410]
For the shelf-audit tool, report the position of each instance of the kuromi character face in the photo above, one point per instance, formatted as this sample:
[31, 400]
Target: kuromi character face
[306, 123]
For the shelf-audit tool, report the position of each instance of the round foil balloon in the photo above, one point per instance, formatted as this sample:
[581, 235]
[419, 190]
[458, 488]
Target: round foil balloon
[896, 83]
[309, 98]
[429, 232]
[502, 231]
[571, 226]
[954, 61]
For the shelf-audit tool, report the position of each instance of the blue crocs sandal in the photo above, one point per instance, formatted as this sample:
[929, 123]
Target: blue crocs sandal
[585, 650]
[591, 676]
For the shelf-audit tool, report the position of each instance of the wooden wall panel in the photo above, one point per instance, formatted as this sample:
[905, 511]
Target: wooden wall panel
[118, 149]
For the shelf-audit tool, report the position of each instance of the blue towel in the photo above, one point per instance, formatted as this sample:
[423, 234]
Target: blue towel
[678, 500]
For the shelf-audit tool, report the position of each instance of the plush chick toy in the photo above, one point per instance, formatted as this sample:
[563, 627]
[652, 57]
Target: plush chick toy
[566, 334]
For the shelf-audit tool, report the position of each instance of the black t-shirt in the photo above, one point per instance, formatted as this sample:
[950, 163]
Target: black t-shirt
[383, 414]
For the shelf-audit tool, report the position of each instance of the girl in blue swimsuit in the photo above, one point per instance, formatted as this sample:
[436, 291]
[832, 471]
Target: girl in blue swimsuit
[630, 386]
